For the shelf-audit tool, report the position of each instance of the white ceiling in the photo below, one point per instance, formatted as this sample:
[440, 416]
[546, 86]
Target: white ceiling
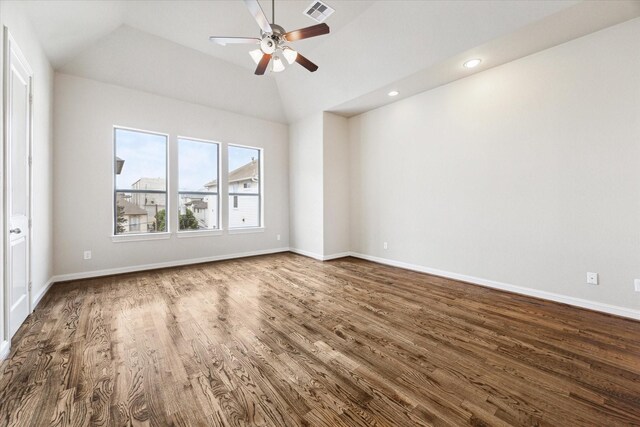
[66, 27]
[162, 46]
[568, 24]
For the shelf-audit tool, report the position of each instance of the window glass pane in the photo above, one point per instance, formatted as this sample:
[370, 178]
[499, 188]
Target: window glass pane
[140, 164]
[244, 211]
[141, 160]
[244, 170]
[244, 187]
[198, 212]
[140, 212]
[197, 166]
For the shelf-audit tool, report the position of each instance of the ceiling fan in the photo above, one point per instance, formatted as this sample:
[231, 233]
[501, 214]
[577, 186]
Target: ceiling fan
[272, 41]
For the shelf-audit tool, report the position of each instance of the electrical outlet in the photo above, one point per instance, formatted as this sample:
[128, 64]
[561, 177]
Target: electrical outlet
[636, 284]
[87, 254]
[385, 246]
[592, 278]
[278, 237]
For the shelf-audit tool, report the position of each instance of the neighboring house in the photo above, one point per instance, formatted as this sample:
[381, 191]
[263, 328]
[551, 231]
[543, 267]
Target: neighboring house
[204, 208]
[135, 217]
[244, 200]
[151, 202]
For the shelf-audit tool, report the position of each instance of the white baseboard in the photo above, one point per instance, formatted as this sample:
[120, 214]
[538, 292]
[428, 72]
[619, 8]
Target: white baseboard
[42, 293]
[5, 349]
[336, 256]
[550, 296]
[306, 253]
[318, 256]
[135, 268]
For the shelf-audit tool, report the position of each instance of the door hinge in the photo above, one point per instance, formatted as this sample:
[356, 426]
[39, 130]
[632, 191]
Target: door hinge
[30, 99]
[30, 161]
[30, 284]
[30, 223]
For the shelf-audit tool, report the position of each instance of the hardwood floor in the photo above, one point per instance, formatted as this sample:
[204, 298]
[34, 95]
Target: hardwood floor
[284, 340]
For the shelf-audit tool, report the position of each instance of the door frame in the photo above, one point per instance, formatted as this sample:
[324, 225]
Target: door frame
[9, 46]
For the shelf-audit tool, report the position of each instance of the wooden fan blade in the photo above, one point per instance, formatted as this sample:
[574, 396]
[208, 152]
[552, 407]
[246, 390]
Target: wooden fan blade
[258, 15]
[306, 63]
[234, 40]
[305, 33]
[262, 65]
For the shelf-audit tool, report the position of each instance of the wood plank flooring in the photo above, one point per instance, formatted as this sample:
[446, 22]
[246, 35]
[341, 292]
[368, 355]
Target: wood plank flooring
[283, 340]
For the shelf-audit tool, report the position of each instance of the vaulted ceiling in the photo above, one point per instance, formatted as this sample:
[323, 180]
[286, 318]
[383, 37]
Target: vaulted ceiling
[162, 47]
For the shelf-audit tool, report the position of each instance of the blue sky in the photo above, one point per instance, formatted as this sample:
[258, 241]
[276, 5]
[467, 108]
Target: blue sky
[145, 156]
[239, 156]
[197, 164]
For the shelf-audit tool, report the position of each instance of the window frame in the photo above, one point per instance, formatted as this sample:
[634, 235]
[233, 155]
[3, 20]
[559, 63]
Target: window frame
[114, 190]
[260, 194]
[213, 231]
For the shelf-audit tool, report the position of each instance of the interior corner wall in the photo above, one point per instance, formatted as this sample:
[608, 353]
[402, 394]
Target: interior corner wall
[525, 174]
[335, 135]
[306, 210]
[15, 19]
[319, 186]
[85, 113]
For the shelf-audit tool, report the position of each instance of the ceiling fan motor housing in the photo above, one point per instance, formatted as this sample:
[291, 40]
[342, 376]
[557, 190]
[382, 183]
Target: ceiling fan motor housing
[271, 41]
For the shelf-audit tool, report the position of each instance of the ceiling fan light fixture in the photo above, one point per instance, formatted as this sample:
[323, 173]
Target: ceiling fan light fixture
[256, 55]
[393, 93]
[268, 45]
[277, 64]
[290, 55]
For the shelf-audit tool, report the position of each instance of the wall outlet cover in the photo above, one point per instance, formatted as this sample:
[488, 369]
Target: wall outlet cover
[636, 284]
[87, 254]
[592, 278]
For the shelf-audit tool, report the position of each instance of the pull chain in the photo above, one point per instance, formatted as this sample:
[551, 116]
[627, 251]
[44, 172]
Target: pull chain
[273, 11]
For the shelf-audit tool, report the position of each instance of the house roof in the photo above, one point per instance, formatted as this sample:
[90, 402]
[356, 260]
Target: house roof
[197, 204]
[130, 208]
[243, 173]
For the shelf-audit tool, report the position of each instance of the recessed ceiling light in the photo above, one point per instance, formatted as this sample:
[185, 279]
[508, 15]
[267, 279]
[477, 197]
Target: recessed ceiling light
[393, 93]
[472, 63]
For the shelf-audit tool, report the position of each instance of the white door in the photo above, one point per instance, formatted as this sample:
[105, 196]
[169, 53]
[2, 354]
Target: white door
[18, 152]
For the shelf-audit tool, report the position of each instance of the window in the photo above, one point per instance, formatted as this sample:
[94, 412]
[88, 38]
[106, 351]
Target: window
[245, 187]
[198, 185]
[140, 175]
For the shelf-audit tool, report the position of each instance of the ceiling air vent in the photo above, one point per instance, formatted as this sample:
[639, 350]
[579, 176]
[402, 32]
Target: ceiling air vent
[318, 11]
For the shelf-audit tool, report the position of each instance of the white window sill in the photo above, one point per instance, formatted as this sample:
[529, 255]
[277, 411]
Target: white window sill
[246, 230]
[140, 237]
[198, 233]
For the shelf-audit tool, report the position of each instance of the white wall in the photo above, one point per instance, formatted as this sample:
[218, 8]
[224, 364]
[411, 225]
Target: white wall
[336, 184]
[306, 185]
[13, 16]
[84, 115]
[319, 185]
[526, 174]
[178, 72]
